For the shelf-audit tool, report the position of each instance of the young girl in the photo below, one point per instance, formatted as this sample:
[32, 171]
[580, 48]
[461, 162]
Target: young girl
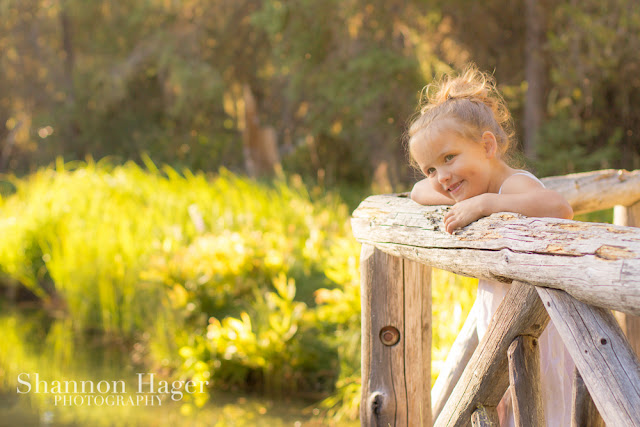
[461, 141]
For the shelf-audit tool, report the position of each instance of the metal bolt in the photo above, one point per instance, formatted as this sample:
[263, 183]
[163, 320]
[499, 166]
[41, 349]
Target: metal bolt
[389, 335]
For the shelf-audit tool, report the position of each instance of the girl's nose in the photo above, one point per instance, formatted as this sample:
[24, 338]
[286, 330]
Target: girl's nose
[443, 176]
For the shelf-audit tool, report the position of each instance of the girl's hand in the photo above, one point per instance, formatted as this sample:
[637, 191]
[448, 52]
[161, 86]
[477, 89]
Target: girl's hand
[539, 202]
[465, 212]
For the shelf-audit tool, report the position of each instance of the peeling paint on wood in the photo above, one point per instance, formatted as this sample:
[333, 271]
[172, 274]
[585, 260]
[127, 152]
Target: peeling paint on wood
[489, 235]
[614, 253]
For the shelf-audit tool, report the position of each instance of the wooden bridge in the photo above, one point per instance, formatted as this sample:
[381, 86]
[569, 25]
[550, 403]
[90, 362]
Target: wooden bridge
[573, 272]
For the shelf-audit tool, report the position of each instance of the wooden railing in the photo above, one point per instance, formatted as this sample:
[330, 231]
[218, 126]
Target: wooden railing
[572, 272]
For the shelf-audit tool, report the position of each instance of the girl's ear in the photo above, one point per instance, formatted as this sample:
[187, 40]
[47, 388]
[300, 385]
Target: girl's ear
[490, 144]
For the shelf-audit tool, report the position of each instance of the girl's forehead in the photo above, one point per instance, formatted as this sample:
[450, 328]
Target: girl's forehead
[438, 138]
[445, 126]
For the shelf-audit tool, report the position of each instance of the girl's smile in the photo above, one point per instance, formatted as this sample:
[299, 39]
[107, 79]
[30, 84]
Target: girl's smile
[455, 189]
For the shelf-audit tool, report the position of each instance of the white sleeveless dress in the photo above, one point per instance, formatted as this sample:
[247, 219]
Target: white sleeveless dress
[556, 365]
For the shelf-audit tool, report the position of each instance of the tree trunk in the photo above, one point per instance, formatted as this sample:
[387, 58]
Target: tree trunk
[71, 129]
[260, 145]
[534, 74]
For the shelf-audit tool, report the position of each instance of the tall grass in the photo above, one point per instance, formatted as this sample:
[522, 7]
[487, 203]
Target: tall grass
[249, 284]
[86, 232]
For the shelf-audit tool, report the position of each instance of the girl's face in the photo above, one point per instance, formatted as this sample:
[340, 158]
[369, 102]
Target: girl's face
[456, 166]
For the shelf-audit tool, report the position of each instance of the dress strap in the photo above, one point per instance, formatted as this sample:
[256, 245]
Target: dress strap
[522, 172]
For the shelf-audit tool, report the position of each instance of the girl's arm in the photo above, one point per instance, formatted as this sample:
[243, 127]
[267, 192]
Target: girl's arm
[520, 194]
[424, 194]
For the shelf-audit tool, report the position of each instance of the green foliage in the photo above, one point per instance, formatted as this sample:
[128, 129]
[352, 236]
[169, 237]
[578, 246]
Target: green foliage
[593, 121]
[329, 59]
[246, 285]
[336, 80]
[268, 342]
[565, 147]
[159, 257]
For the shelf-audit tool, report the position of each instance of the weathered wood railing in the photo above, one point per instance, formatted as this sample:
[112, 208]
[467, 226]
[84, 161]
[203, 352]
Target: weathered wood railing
[570, 271]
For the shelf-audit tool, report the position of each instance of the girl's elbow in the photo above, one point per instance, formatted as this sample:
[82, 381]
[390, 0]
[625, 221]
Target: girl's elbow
[559, 205]
[418, 192]
[569, 212]
[566, 211]
[414, 195]
[419, 197]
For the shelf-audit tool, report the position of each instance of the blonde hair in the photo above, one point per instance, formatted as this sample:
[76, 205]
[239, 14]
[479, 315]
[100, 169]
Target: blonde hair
[473, 101]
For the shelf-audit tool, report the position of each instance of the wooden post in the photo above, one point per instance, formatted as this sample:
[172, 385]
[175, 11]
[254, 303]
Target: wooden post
[524, 376]
[601, 353]
[583, 411]
[630, 217]
[396, 341]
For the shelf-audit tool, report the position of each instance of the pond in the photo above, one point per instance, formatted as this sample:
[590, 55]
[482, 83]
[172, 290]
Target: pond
[51, 376]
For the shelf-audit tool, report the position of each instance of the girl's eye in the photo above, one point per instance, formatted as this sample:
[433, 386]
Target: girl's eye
[449, 157]
[431, 171]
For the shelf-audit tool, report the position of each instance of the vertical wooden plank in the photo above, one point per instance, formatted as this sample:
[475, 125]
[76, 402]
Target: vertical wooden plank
[381, 298]
[417, 285]
[485, 417]
[396, 340]
[366, 334]
[524, 376]
[583, 411]
[601, 353]
[630, 217]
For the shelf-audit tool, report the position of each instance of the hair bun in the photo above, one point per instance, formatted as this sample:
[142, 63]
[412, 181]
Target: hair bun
[473, 99]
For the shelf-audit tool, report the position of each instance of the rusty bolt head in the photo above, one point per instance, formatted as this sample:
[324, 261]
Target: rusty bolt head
[389, 335]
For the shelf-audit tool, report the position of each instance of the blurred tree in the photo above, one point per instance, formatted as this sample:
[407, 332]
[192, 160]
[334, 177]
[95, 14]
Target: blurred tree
[25, 76]
[335, 80]
[132, 82]
[593, 122]
[536, 73]
[350, 76]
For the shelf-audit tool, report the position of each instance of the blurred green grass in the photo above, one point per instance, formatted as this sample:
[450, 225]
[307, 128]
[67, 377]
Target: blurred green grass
[253, 285]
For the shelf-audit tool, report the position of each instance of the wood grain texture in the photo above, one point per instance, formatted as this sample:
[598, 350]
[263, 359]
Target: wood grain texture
[381, 293]
[457, 360]
[592, 191]
[524, 377]
[396, 378]
[595, 263]
[601, 353]
[418, 328]
[583, 411]
[486, 378]
[629, 216]
[485, 417]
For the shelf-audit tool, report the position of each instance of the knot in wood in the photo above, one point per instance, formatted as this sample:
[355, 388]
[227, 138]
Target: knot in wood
[389, 335]
[375, 403]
